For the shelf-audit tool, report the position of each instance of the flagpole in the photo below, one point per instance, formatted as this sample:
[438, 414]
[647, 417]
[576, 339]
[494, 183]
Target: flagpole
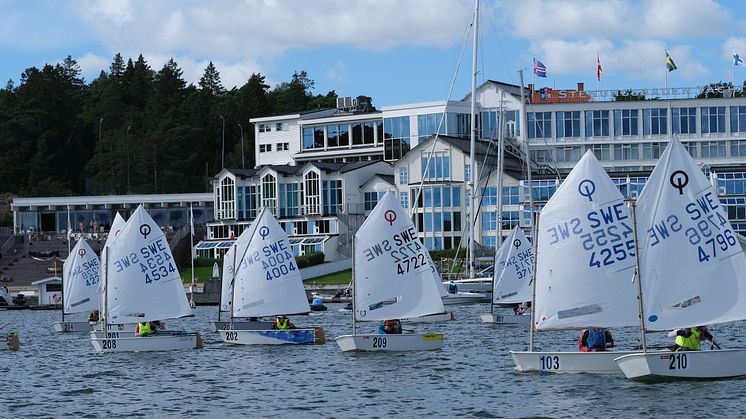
[191, 236]
[69, 230]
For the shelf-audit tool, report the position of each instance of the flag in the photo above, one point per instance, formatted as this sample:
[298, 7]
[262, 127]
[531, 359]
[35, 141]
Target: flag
[669, 63]
[545, 93]
[539, 68]
[69, 226]
[600, 70]
[737, 61]
[191, 220]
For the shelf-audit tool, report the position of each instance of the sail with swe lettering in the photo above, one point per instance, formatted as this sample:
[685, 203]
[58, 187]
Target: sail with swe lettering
[586, 254]
[692, 268]
[267, 279]
[116, 228]
[393, 274]
[226, 284]
[143, 283]
[81, 277]
[514, 263]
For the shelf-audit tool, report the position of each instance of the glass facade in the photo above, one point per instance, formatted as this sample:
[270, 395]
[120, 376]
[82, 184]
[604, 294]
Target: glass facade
[738, 119]
[684, 120]
[568, 124]
[332, 190]
[396, 137]
[713, 119]
[625, 122]
[436, 167]
[596, 123]
[539, 124]
[655, 121]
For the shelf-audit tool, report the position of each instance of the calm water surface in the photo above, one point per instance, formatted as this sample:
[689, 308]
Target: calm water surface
[60, 375]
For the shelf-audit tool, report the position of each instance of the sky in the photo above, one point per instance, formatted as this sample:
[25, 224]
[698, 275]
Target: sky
[396, 51]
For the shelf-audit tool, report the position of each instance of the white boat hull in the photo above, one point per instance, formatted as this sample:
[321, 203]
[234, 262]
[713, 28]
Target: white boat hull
[431, 318]
[568, 362]
[9, 341]
[481, 285]
[507, 319]
[84, 326]
[378, 342]
[241, 325]
[158, 342]
[465, 298]
[665, 365]
[274, 337]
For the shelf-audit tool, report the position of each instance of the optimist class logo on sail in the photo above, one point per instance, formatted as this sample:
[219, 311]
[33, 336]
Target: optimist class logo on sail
[403, 248]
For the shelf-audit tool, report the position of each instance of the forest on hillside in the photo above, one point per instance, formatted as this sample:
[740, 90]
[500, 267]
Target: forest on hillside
[133, 129]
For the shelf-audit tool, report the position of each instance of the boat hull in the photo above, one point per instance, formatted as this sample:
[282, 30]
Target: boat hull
[568, 362]
[241, 325]
[378, 342]
[506, 319]
[465, 298]
[9, 342]
[166, 341]
[273, 337]
[683, 365]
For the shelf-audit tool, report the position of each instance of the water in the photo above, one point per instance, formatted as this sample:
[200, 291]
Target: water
[60, 375]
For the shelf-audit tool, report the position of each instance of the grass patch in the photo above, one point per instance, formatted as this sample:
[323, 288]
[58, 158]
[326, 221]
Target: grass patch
[337, 278]
[199, 274]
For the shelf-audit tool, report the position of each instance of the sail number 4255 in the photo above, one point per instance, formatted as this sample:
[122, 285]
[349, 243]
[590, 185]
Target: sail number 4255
[549, 362]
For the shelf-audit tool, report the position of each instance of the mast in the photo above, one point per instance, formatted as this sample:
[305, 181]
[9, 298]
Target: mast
[103, 314]
[499, 186]
[472, 144]
[637, 275]
[354, 325]
[531, 337]
[62, 293]
[191, 236]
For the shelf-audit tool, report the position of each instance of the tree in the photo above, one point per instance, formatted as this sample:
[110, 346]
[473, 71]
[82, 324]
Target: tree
[628, 95]
[210, 81]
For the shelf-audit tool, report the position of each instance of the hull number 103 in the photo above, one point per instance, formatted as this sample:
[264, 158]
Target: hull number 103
[549, 363]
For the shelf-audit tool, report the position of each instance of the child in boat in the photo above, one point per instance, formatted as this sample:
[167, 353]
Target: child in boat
[389, 327]
[595, 340]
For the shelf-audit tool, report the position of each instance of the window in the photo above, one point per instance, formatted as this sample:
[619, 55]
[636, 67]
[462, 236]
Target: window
[601, 151]
[596, 123]
[625, 122]
[568, 154]
[357, 134]
[738, 148]
[265, 128]
[539, 125]
[332, 196]
[288, 199]
[510, 220]
[738, 119]
[684, 120]
[437, 167]
[510, 195]
[691, 147]
[456, 194]
[713, 119]
[281, 126]
[568, 124]
[541, 156]
[652, 151]
[265, 148]
[467, 172]
[489, 195]
[489, 220]
[654, 121]
[307, 138]
[428, 124]
[403, 175]
[226, 201]
[369, 129]
[282, 146]
[269, 192]
[713, 149]
[312, 195]
[731, 183]
[626, 152]
[404, 199]
[371, 199]
[395, 137]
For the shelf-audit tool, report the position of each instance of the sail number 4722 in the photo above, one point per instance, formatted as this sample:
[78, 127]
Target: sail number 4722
[549, 362]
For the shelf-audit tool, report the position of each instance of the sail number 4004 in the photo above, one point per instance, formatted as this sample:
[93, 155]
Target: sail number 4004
[549, 362]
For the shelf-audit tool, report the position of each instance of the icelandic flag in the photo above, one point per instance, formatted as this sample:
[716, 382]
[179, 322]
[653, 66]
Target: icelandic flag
[539, 68]
[737, 61]
[669, 62]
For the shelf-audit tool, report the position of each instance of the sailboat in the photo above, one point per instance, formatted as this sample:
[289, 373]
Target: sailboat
[514, 265]
[81, 274]
[585, 262]
[392, 278]
[267, 282]
[692, 270]
[141, 284]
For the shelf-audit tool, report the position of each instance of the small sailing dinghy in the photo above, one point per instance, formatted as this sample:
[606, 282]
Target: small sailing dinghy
[141, 284]
[392, 278]
[692, 270]
[514, 264]
[267, 282]
[81, 274]
[585, 262]
[226, 295]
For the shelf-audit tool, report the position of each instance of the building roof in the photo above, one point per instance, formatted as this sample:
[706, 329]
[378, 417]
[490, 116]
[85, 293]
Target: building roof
[343, 167]
[242, 173]
[386, 178]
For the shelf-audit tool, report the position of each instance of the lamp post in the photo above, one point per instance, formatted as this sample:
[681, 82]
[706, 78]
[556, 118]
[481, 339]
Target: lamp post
[243, 161]
[100, 122]
[127, 146]
[223, 153]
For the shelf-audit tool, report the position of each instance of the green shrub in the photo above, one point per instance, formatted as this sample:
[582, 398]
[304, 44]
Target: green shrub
[207, 262]
[309, 260]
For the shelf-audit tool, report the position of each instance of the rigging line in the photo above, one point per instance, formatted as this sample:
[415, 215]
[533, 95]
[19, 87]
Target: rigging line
[490, 13]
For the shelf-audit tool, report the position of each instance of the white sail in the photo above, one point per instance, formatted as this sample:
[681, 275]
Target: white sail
[81, 275]
[692, 267]
[393, 275]
[585, 254]
[116, 228]
[514, 263]
[267, 279]
[143, 283]
[226, 284]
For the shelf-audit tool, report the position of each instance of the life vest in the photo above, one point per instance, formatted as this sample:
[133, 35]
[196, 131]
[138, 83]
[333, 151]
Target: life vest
[596, 339]
[691, 343]
[281, 325]
[452, 288]
[143, 329]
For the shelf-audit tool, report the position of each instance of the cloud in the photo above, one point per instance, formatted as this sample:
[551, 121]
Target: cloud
[91, 65]
[337, 72]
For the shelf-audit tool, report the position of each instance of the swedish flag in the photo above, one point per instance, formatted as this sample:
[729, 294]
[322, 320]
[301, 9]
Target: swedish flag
[669, 63]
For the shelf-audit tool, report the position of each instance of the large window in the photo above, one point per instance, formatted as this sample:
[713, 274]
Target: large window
[568, 124]
[396, 137]
[226, 199]
[652, 151]
[437, 167]
[428, 125]
[601, 151]
[404, 199]
[738, 119]
[489, 195]
[332, 191]
[655, 121]
[312, 192]
[596, 123]
[404, 175]
[713, 119]
[625, 122]
[289, 199]
[247, 200]
[731, 183]
[371, 199]
[489, 220]
[569, 154]
[269, 192]
[738, 148]
[539, 125]
[626, 152]
[713, 148]
[691, 147]
[684, 120]
[510, 195]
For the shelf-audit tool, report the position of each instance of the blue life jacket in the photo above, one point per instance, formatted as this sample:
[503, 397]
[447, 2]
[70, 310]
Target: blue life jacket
[452, 288]
[380, 328]
[596, 339]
